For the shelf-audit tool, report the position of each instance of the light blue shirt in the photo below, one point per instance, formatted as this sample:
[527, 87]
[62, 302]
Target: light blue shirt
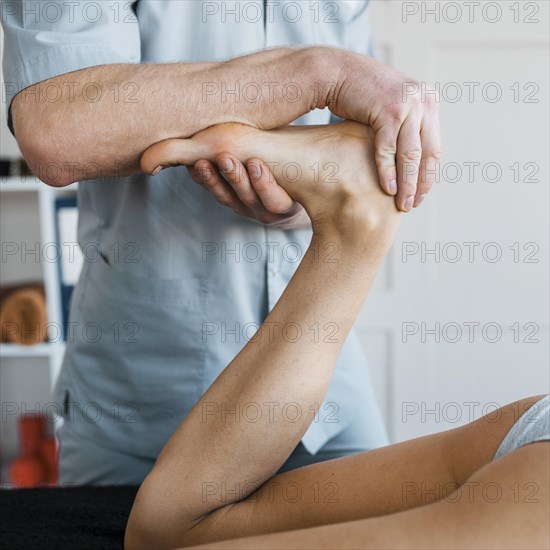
[182, 282]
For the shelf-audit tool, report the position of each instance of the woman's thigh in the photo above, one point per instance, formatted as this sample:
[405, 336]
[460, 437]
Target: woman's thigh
[370, 484]
[512, 517]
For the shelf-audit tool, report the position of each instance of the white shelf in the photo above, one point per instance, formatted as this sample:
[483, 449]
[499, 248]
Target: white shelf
[16, 183]
[30, 183]
[44, 349]
[51, 352]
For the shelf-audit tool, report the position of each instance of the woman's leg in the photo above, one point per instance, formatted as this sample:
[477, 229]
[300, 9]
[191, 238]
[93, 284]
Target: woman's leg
[503, 505]
[318, 166]
[350, 214]
[374, 483]
[195, 492]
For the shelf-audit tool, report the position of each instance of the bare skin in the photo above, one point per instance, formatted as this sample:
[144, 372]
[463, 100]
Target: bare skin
[158, 101]
[163, 101]
[234, 186]
[313, 164]
[223, 485]
[465, 519]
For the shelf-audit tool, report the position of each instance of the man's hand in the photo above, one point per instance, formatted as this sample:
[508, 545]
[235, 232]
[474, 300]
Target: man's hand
[404, 115]
[352, 85]
[250, 191]
[348, 145]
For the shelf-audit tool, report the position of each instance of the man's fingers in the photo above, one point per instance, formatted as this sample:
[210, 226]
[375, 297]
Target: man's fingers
[385, 143]
[194, 174]
[254, 185]
[431, 153]
[211, 179]
[235, 174]
[273, 197]
[171, 152]
[231, 189]
[409, 154]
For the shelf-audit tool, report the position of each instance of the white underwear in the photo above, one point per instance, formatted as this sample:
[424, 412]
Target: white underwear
[532, 427]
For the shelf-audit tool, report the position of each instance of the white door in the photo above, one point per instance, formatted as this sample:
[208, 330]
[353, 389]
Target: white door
[458, 321]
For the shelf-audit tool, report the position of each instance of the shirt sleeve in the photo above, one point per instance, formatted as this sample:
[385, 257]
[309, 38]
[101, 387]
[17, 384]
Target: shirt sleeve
[46, 39]
[358, 30]
[358, 34]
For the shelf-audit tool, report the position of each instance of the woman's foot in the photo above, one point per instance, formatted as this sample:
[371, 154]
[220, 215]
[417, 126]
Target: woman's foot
[329, 169]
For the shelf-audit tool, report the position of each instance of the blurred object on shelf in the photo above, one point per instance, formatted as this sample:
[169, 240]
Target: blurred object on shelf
[66, 210]
[23, 316]
[37, 463]
[15, 167]
[5, 167]
[23, 169]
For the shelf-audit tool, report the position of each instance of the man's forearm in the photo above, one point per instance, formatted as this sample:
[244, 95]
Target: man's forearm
[81, 137]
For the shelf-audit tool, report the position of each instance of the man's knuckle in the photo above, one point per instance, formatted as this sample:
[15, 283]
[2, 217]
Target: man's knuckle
[261, 185]
[207, 176]
[412, 155]
[253, 204]
[416, 97]
[224, 201]
[431, 98]
[278, 208]
[385, 152]
[435, 152]
[395, 114]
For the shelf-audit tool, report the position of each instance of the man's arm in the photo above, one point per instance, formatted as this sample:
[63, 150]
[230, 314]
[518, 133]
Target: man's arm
[75, 138]
[408, 140]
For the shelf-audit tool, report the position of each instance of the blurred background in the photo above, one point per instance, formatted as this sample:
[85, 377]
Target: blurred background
[458, 322]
